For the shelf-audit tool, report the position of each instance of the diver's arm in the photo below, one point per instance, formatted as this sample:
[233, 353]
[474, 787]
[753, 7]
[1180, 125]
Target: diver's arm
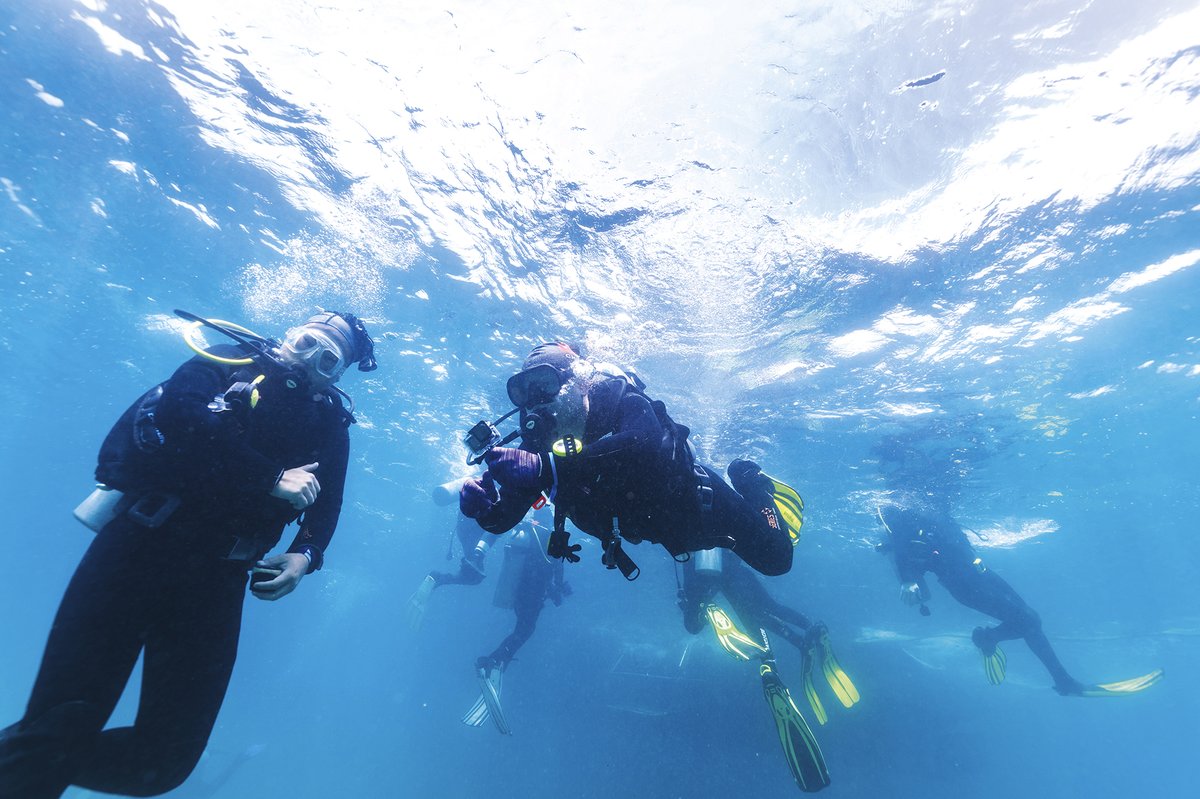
[209, 446]
[508, 512]
[321, 518]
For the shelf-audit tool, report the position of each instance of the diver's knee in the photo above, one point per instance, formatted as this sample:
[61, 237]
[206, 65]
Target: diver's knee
[781, 563]
[38, 753]
[1030, 621]
[173, 764]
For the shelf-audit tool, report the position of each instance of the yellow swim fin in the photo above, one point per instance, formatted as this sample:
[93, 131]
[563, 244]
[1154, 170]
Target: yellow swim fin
[1124, 687]
[810, 691]
[995, 662]
[790, 506]
[839, 681]
[995, 665]
[731, 639]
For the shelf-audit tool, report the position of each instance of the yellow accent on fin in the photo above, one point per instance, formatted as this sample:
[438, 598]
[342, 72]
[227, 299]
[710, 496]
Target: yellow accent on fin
[731, 639]
[799, 744]
[995, 665]
[810, 691]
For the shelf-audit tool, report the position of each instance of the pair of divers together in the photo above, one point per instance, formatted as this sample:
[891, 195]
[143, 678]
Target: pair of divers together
[200, 476]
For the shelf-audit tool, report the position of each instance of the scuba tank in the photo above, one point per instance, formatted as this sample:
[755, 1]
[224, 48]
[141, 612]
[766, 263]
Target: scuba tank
[517, 551]
[708, 563]
[447, 493]
[101, 507]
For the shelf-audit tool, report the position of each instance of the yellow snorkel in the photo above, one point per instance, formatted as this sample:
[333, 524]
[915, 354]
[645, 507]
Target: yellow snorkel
[196, 345]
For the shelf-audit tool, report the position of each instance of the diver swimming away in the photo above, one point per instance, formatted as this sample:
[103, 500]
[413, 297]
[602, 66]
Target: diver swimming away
[709, 573]
[921, 538]
[200, 476]
[528, 577]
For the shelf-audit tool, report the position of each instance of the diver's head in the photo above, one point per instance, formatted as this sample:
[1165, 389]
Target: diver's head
[326, 345]
[551, 391]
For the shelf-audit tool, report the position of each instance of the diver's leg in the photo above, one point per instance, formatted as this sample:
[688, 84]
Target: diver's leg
[696, 591]
[756, 607]
[758, 536]
[529, 598]
[190, 652]
[527, 615]
[91, 651]
[990, 593]
[752, 592]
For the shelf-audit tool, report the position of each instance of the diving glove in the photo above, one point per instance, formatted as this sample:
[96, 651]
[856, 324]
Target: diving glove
[560, 547]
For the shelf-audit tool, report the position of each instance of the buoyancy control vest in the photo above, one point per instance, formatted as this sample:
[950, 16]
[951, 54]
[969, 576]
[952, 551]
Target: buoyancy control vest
[676, 457]
[137, 454]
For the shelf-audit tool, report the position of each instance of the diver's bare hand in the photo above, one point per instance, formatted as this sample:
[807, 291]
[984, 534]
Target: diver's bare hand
[298, 486]
[294, 566]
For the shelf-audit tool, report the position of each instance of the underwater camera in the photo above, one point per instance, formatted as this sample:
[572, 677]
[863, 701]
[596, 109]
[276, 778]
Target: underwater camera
[483, 437]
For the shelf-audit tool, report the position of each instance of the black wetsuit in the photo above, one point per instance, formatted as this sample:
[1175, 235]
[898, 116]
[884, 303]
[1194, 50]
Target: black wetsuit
[171, 591]
[929, 541]
[635, 469]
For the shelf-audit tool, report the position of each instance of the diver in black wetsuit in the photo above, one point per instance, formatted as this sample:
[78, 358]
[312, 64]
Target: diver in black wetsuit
[528, 578]
[613, 462]
[213, 464]
[923, 539]
[745, 593]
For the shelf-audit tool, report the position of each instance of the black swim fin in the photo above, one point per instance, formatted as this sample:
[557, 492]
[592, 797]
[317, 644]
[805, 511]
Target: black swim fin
[799, 744]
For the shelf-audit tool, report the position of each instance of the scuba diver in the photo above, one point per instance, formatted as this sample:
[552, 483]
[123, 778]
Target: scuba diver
[528, 577]
[709, 573]
[614, 462]
[922, 538]
[199, 478]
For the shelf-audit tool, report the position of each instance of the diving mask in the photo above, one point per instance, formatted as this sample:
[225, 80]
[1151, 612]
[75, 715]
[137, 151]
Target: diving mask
[317, 350]
[536, 385]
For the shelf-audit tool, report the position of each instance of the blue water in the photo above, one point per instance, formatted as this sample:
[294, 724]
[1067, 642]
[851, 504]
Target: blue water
[811, 228]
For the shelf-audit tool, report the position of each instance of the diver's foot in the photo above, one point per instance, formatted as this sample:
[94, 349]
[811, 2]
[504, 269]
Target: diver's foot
[472, 569]
[981, 637]
[486, 665]
[693, 615]
[747, 478]
[1069, 687]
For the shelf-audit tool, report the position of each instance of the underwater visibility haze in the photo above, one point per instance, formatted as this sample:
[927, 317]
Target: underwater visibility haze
[957, 239]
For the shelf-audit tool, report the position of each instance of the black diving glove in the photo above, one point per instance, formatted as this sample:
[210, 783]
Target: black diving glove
[560, 547]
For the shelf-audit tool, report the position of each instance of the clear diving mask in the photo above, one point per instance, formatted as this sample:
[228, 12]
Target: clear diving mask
[317, 350]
